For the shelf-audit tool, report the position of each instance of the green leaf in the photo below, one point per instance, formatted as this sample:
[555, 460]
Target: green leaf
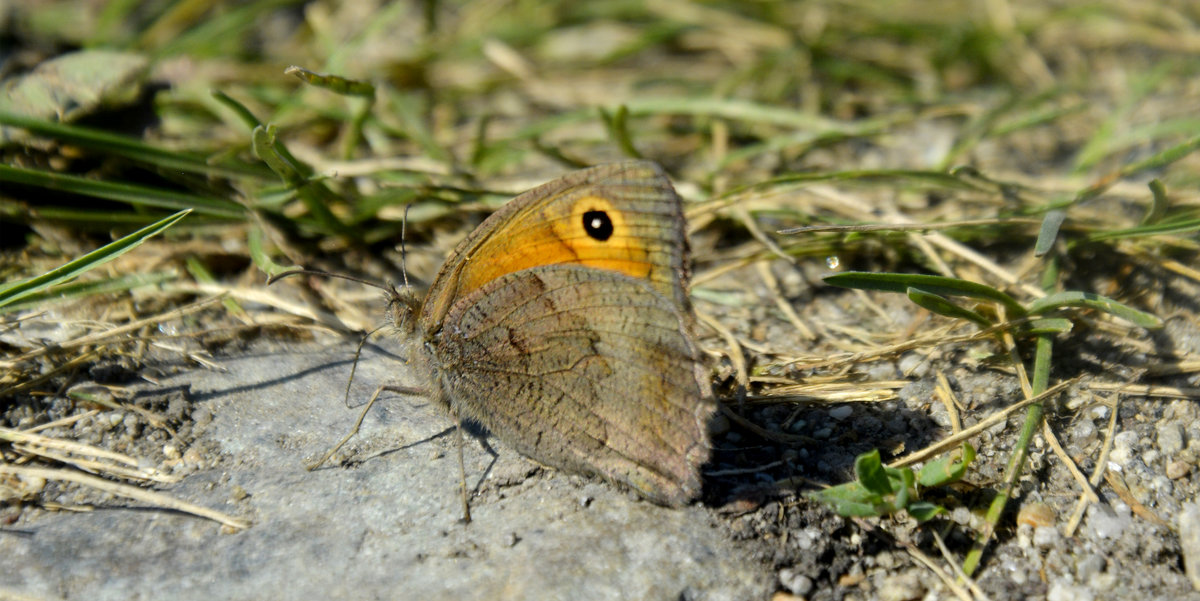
[904, 482]
[1049, 325]
[618, 128]
[73, 269]
[315, 196]
[1158, 203]
[923, 511]
[133, 194]
[77, 290]
[1049, 231]
[945, 470]
[934, 284]
[334, 83]
[111, 144]
[1095, 301]
[260, 256]
[868, 468]
[941, 306]
[850, 500]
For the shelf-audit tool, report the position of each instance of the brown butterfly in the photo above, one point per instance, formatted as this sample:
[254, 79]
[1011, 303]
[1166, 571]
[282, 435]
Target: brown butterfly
[562, 324]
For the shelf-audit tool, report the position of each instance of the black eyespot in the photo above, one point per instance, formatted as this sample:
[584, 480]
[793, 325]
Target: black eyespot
[598, 225]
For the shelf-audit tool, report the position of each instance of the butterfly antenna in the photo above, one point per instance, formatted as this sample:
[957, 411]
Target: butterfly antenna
[301, 270]
[354, 366]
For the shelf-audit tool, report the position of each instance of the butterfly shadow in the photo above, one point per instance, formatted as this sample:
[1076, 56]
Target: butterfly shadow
[762, 456]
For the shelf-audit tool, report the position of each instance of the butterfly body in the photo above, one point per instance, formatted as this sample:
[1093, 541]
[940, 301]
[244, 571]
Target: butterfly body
[562, 324]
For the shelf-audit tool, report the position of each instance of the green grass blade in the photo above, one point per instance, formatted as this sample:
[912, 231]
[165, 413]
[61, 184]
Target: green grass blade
[1098, 302]
[90, 288]
[618, 128]
[129, 148]
[941, 306]
[935, 284]
[128, 193]
[1158, 203]
[1048, 233]
[12, 293]
[315, 196]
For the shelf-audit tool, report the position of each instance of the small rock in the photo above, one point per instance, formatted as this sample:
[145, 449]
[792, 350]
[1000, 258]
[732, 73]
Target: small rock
[193, 456]
[914, 365]
[795, 582]
[883, 370]
[1089, 566]
[1178, 469]
[1170, 438]
[1083, 432]
[841, 413]
[202, 416]
[1109, 522]
[1065, 591]
[1037, 515]
[132, 425]
[171, 451]
[1162, 485]
[901, 587]
[1189, 541]
[1046, 536]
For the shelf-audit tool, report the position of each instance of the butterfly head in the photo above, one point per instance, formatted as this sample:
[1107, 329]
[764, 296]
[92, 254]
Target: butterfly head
[403, 309]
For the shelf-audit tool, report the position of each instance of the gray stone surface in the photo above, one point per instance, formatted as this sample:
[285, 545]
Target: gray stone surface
[385, 527]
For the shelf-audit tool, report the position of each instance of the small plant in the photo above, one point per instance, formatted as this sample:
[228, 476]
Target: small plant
[879, 490]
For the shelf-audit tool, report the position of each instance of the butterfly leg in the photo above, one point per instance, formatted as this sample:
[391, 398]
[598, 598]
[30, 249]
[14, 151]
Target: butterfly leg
[363, 415]
[462, 472]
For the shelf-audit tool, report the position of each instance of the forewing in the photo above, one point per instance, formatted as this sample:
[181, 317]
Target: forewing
[547, 226]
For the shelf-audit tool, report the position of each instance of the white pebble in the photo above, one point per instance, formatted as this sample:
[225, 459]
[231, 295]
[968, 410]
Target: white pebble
[841, 413]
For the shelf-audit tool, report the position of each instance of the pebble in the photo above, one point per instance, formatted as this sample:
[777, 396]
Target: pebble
[132, 425]
[1178, 469]
[1089, 566]
[1083, 432]
[1036, 514]
[1170, 438]
[795, 582]
[914, 365]
[1065, 591]
[902, 587]
[1108, 522]
[1189, 541]
[193, 457]
[841, 413]
[1162, 485]
[1046, 537]
[883, 370]
[171, 451]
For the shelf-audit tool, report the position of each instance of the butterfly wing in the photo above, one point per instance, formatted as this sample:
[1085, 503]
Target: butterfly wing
[623, 217]
[582, 369]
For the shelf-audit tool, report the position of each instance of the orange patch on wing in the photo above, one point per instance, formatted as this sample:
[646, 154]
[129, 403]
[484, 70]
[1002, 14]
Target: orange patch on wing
[560, 239]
